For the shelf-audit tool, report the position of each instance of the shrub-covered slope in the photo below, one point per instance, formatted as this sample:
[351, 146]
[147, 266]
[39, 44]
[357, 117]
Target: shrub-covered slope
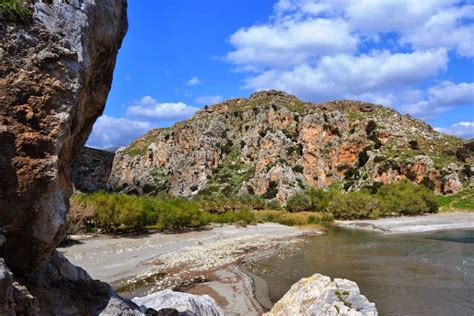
[274, 145]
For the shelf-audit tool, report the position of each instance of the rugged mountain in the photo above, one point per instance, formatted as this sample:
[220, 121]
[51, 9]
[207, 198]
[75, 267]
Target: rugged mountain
[274, 145]
[57, 60]
[90, 170]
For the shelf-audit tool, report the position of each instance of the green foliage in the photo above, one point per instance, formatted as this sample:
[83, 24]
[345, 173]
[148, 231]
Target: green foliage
[461, 201]
[221, 204]
[353, 205]
[400, 198]
[15, 10]
[115, 212]
[293, 219]
[406, 198]
[227, 179]
[299, 202]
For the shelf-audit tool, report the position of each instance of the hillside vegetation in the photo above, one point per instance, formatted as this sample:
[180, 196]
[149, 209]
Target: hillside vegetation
[119, 212]
[274, 146]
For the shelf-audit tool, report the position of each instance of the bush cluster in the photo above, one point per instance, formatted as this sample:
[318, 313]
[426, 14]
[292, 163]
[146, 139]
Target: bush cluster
[118, 212]
[113, 212]
[399, 198]
[293, 219]
[218, 203]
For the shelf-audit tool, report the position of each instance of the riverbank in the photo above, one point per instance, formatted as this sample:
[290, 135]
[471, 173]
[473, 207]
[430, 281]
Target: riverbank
[198, 262]
[413, 224]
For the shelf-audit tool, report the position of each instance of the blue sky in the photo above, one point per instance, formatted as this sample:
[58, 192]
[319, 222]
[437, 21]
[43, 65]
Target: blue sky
[180, 55]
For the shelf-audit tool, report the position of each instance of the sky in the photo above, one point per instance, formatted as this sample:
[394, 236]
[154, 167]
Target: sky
[180, 55]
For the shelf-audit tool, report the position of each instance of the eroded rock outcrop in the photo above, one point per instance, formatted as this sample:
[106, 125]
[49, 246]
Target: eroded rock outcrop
[273, 145]
[55, 74]
[90, 170]
[318, 295]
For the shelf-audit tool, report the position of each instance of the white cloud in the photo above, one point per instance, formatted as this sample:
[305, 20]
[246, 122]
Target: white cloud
[444, 29]
[290, 42]
[194, 81]
[143, 115]
[461, 129]
[111, 132]
[441, 98]
[379, 51]
[342, 76]
[209, 99]
[151, 109]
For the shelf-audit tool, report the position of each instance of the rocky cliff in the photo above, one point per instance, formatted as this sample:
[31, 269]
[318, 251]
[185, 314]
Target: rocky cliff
[57, 59]
[274, 145]
[90, 170]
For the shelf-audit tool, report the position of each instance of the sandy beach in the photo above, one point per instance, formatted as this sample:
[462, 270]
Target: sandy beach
[199, 262]
[414, 224]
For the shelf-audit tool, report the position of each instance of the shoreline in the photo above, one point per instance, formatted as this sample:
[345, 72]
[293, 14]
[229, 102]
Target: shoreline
[413, 224]
[217, 262]
[199, 262]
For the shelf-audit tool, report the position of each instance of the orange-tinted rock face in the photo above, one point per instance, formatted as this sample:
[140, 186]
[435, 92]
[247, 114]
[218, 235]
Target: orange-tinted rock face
[55, 75]
[274, 145]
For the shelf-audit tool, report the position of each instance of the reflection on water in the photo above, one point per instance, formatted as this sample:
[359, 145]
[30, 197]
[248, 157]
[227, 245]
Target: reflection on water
[420, 274]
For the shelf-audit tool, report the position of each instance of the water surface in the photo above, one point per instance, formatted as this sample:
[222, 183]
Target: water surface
[416, 274]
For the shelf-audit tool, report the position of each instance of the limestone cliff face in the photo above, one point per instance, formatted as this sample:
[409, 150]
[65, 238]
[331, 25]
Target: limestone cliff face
[55, 74]
[274, 145]
[90, 170]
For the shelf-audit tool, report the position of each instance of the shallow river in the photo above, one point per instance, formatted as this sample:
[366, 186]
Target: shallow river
[416, 274]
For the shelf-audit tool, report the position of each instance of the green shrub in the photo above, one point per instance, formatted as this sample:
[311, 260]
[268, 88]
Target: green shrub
[354, 205]
[406, 198]
[15, 10]
[293, 219]
[114, 212]
[400, 198]
[272, 205]
[299, 202]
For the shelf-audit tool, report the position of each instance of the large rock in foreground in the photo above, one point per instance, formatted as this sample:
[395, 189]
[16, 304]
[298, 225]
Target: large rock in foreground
[55, 75]
[182, 303]
[318, 295]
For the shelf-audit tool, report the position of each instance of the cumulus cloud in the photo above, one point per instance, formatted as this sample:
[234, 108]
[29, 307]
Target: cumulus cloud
[441, 98]
[461, 129]
[373, 50]
[209, 99]
[150, 108]
[290, 42]
[342, 76]
[141, 116]
[112, 132]
[194, 81]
